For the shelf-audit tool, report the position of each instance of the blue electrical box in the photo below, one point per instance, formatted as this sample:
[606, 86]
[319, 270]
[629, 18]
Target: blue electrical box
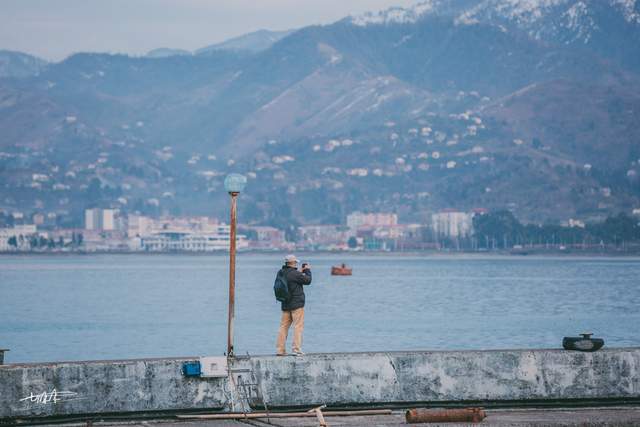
[191, 369]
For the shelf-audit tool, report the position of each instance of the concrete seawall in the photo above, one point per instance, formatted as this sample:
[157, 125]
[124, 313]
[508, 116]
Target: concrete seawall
[340, 379]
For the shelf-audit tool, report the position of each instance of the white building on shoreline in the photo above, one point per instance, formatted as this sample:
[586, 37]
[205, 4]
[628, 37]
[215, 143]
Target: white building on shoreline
[191, 241]
[452, 223]
[99, 219]
[357, 220]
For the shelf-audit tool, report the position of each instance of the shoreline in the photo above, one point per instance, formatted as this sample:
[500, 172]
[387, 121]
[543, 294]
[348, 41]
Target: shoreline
[419, 254]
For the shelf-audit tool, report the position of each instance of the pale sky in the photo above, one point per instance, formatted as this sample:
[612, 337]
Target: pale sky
[54, 29]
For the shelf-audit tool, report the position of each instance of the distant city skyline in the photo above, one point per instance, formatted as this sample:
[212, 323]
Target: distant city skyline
[54, 30]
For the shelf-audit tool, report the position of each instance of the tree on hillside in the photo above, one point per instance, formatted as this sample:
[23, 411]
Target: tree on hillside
[497, 229]
[616, 229]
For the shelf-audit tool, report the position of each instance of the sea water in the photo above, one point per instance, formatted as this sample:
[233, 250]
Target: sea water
[85, 307]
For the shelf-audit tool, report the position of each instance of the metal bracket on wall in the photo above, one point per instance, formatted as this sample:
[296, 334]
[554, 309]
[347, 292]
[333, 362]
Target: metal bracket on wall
[214, 367]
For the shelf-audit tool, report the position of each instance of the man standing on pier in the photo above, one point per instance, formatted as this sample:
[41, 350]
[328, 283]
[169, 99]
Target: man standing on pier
[293, 308]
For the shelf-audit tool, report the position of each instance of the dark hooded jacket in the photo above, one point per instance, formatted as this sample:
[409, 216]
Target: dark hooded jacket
[295, 280]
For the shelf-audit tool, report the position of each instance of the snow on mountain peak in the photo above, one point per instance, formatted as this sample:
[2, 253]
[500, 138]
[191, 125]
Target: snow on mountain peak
[521, 11]
[396, 15]
[524, 11]
[578, 20]
[576, 14]
[629, 8]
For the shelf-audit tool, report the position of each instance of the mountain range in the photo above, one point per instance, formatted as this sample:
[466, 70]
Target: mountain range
[530, 105]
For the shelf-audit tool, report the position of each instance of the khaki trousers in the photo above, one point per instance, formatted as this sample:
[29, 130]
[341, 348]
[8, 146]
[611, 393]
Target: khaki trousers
[288, 317]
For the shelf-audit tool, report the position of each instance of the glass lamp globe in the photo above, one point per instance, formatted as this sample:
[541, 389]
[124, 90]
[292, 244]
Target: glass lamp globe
[234, 183]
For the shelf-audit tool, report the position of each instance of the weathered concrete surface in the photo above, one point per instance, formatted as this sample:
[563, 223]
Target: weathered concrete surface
[361, 378]
[334, 379]
[106, 386]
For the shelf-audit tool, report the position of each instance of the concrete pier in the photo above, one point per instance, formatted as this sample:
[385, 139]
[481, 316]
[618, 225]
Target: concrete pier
[503, 378]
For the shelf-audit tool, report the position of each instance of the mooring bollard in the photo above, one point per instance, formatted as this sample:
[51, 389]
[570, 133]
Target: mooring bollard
[2, 350]
[416, 416]
[583, 343]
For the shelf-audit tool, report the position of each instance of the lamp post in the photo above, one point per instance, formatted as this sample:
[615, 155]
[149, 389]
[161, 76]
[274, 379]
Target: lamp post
[233, 184]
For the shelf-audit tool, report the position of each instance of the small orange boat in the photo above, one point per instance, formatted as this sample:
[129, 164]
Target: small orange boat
[343, 270]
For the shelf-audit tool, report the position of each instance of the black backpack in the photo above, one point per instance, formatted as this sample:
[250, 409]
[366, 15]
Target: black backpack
[281, 287]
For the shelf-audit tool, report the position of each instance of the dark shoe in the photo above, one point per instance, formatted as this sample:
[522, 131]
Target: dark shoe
[281, 354]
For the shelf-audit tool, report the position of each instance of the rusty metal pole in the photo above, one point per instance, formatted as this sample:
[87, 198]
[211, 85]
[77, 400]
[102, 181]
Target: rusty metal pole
[417, 416]
[232, 273]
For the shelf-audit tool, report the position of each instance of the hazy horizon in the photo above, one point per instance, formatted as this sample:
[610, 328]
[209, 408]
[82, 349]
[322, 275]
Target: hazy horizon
[55, 30]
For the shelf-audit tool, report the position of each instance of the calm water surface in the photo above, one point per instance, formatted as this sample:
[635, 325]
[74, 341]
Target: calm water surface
[115, 306]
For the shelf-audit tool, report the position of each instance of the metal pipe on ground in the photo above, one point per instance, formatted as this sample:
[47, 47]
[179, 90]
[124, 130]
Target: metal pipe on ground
[417, 416]
[318, 412]
[239, 416]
